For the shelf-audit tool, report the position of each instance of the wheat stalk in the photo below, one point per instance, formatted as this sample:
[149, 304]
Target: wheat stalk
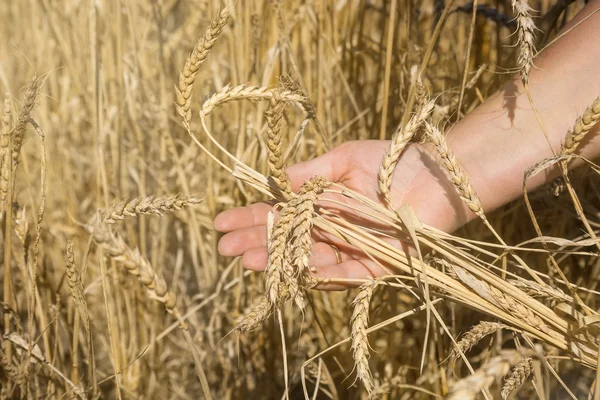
[581, 128]
[400, 140]
[519, 374]
[274, 116]
[196, 58]
[147, 205]
[525, 37]
[360, 341]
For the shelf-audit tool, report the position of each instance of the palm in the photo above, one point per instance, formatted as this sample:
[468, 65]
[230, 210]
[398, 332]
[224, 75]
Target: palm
[355, 165]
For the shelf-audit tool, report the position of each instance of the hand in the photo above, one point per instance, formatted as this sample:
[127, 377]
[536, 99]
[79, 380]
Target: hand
[417, 182]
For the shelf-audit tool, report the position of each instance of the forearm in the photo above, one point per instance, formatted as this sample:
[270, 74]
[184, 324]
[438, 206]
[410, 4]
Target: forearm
[498, 141]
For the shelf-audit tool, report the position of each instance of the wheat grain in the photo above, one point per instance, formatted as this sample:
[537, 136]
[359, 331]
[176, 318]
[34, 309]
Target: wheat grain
[196, 58]
[147, 205]
[467, 388]
[458, 176]
[400, 140]
[360, 342]
[519, 374]
[274, 116]
[474, 336]
[525, 37]
[581, 128]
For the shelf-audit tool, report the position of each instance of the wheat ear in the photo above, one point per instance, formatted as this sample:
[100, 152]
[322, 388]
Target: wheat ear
[255, 315]
[5, 153]
[501, 299]
[135, 264]
[29, 102]
[467, 388]
[248, 92]
[75, 284]
[303, 221]
[274, 116]
[518, 376]
[276, 263]
[195, 60]
[148, 205]
[474, 336]
[542, 292]
[360, 342]
[458, 176]
[525, 37]
[400, 140]
[581, 128]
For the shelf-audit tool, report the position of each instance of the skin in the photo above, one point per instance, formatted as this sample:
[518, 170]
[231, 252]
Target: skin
[495, 144]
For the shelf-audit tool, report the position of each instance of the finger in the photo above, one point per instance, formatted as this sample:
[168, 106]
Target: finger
[239, 241]
[332, 165]
[242, 217]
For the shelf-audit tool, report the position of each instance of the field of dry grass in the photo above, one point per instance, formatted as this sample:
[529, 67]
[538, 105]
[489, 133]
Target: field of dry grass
[127, 125]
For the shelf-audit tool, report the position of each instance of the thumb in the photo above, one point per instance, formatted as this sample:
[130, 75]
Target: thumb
[332, 166]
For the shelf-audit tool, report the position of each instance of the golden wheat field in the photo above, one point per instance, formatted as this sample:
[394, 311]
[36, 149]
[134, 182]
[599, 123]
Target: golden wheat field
[128, 125]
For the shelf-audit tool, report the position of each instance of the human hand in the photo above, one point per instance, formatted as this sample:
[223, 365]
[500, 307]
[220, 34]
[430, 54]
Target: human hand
[417, 182]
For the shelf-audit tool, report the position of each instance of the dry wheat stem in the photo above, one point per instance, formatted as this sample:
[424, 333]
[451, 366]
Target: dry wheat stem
[581, 128]
[274, 117]
[400, 140]
[196, 58]
[147, 205]
[519, 374]
[360, 342]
